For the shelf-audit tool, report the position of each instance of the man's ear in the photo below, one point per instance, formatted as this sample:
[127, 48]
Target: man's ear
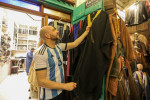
[47, 35]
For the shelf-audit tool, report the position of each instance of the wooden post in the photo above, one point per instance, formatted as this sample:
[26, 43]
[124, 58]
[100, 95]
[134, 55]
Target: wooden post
[42, 11]
[46, 21]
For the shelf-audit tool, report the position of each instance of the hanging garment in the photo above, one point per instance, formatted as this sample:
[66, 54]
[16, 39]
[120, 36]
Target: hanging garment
[133, 66]
[103, 89]
[127, 43]
[148, 44]
[143, 39]
[126, 90]
[76, 31]
[142, 48]
[113, 51]
[136, 14]
[65, 39]
[118, 28]
[95, 59]
[142, 82]
[32, 79]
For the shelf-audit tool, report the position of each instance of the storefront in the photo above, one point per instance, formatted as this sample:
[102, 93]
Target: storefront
[112, 61]
[20, 27]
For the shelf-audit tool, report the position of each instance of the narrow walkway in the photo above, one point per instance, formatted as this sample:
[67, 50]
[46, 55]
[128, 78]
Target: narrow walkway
[15, 87]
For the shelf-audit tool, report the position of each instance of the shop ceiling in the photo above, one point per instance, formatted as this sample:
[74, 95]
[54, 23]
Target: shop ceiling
[58, 5]
[124, 4]
[65, 6]
[55, 5]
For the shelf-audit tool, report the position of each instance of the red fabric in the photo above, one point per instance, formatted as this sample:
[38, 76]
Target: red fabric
[68, 64]
[80, 25]
[141, 75]
[147, 3]
[65, 69]
[72, 28]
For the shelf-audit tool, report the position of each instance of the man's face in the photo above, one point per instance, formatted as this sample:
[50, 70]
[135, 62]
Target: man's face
[53, 34]
[32, 50]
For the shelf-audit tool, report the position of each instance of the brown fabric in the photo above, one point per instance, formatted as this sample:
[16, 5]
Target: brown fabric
[142, 59]
[122, 93]
[118, 28]
[134, 94]
[113, 82]
[112, 86]
[143, 39]
[113, 49]
[148, 45]
[125, 38]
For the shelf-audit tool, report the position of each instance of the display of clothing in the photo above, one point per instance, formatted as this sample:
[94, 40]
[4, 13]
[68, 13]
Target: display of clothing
[142, 39]
[122, 46]
[148, 44]
[137, 14]
[127, 43]
[143, 84]
[65, 39]
[76, 31]
[95, 58]
[126, 88]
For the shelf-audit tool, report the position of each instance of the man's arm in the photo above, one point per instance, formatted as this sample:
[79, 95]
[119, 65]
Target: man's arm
[46, 83]
[74, 44]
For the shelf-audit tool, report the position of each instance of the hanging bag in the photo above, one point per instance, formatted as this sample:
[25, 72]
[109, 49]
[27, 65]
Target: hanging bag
[32, 79]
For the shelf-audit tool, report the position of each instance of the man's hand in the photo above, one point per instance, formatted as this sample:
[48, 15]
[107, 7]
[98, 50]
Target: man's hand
[70, 86]
[88, 28]
[78, 40]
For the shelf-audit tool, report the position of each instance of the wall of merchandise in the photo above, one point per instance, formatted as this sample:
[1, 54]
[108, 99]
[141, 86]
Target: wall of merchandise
[5, 37]
[19, 33]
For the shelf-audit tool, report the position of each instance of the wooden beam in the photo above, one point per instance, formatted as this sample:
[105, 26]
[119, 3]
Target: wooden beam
[70, 1]
[29, 11]
[138, 31]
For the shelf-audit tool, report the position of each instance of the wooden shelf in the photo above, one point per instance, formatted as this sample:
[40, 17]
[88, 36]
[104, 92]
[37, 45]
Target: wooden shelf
[27, 38]
[22, 39]
[22, 44]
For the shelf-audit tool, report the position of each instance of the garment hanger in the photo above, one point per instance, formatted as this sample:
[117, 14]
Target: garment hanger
[116, 13]
[60, 22]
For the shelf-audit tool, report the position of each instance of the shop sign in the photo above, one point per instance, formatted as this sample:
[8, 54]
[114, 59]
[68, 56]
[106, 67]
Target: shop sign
[89, 3]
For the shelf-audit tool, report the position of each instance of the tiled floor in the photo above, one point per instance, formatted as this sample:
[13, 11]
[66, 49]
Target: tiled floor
[15, 87]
